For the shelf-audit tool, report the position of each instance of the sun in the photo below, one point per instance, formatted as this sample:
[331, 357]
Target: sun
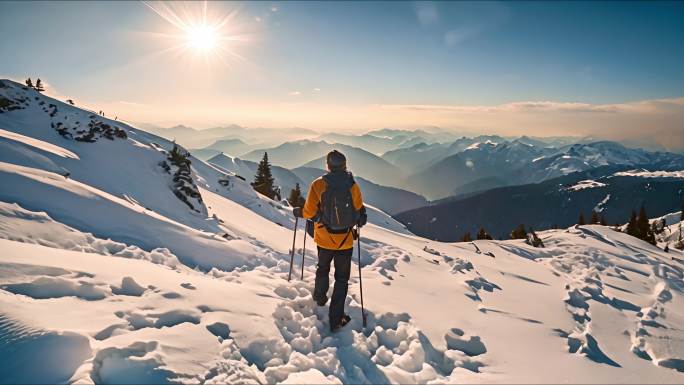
[210, 35]
[203, 38]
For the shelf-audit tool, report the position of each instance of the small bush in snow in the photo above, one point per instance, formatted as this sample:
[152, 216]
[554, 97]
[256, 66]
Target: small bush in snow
[519, 232]
[533, 240]
[184, 187]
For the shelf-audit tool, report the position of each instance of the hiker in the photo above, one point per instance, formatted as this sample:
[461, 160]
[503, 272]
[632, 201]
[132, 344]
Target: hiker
[334, 204]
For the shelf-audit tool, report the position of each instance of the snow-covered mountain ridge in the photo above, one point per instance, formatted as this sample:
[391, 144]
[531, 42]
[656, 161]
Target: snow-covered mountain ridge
[516, 162]
[106, 276]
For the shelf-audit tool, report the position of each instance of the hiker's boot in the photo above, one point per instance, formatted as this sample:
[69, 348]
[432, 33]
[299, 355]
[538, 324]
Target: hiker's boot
[321, 301]
[345, 320]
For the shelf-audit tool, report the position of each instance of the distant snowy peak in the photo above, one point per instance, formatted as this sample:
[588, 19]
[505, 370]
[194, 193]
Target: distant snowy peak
[642, 173]
[481, 145]
[581, 157]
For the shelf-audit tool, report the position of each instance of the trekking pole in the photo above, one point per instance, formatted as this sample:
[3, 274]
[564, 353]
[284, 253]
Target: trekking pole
[358, 246]
[306, 223]
[294, 237]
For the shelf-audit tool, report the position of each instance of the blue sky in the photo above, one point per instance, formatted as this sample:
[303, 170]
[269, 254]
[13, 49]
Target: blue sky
[343, 58]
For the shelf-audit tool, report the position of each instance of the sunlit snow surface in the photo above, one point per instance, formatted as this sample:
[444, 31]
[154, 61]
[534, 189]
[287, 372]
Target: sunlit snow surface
[107, 277]
[652, 174]
[585, 184]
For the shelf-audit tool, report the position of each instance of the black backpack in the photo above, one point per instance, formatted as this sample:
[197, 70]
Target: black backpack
[337, 212]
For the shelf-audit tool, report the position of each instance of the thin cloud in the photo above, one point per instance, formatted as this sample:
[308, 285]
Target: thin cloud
[294, 93]
[134, 104]
[656, 122]
[535, 106]
[461, 21]
[455, 36]
[427, 13]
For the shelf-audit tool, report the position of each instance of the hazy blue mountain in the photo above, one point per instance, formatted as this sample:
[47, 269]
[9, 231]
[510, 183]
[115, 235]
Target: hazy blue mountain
[388, 199]
[259, 137]
[291, 154]
[204, 153]
[370, 143]
[366, 165]
[233, 147]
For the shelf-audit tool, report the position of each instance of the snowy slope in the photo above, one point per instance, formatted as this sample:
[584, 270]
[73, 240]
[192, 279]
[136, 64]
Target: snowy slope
[98, 285]
[672, 229]
[589, 308]
[284, 178]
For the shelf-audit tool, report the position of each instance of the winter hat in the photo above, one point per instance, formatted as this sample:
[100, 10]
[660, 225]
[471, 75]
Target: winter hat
[336, 161]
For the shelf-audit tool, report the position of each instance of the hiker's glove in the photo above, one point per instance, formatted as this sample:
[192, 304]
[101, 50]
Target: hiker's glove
[297, 212]
[363, 218]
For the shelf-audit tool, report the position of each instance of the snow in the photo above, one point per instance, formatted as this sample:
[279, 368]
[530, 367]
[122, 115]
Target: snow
[601, 205]
[651, 174]
[585, 184]
[107, 277]
[672, 232]
[37, 143]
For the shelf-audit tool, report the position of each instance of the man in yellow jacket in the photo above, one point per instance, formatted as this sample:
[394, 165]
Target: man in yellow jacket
[335, 205]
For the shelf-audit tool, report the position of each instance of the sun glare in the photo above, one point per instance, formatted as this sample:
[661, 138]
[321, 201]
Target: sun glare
[202, 37]
[208, 34]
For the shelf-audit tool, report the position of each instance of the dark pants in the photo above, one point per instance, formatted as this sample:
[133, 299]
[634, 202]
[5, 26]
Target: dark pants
[342, 259]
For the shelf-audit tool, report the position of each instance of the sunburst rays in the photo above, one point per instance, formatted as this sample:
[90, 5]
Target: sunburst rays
[200, 31]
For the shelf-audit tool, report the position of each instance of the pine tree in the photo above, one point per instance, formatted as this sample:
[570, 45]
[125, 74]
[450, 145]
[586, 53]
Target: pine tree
[29, 83]
[643, 227]
[581, 221]
[296, 199]
[594, 217]
[519, 232]
[467, 237]
[651, 235]
[632, 228]
[39, 86]
[263, 180]
[482, 234]
[70, 101]
[178, 156]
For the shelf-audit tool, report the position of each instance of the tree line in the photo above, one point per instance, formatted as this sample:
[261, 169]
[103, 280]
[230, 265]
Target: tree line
[638, 226]
[38, 86]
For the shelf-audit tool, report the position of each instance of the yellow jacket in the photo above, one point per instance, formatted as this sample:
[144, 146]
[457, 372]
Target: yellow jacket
[322, 237]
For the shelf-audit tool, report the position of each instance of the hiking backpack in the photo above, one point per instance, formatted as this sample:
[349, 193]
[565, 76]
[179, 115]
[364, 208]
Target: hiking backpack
[337, 210]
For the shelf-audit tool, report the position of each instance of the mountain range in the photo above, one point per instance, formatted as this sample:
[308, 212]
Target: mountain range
[306, 153]
[388, 199]
[399, 169]
[493, 164]
[191, 137]
[611, 191]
